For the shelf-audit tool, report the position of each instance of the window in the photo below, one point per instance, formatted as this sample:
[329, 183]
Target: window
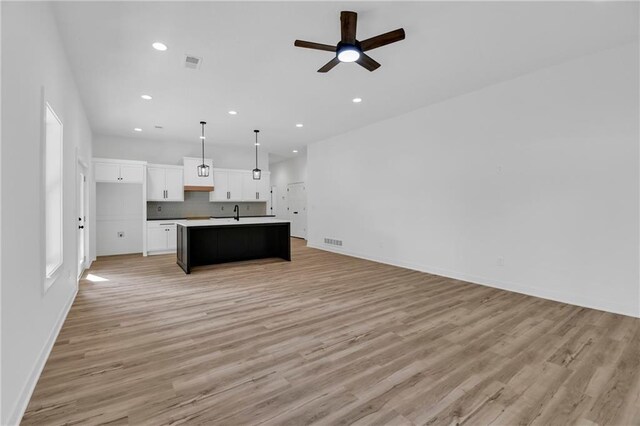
[53, 193]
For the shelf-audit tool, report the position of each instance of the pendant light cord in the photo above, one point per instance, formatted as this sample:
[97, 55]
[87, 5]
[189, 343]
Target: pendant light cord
[256, 147]
[202, 123]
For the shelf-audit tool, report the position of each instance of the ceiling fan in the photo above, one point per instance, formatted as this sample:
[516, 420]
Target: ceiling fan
[348, 48]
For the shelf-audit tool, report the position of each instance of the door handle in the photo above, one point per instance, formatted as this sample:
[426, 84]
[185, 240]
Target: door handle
[295, 212]
[257, 195]
[80, 227]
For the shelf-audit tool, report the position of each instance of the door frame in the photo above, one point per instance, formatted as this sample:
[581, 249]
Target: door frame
[290, 213]
[82, 209]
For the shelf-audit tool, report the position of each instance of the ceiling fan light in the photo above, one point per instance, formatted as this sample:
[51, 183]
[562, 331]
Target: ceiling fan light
[348, 54]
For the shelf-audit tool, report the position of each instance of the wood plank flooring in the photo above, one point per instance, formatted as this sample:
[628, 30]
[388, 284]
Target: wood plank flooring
[329, 339]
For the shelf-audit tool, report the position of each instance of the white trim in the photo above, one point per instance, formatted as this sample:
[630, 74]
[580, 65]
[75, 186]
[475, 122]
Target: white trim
[557, 296]
[80, 164]
[117, 161]
[25, 394]
[153, 253]
[51, 277]
[164, 166]
[144, 209]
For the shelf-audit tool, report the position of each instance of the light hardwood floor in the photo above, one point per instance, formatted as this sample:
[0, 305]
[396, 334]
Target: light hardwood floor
[329, 339]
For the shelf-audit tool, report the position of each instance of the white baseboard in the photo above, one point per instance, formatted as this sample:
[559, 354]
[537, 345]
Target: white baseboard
[153, 253]
[25, 395]
[572, 299]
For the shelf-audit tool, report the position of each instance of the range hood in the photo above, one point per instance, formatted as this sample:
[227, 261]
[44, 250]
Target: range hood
[193, 182]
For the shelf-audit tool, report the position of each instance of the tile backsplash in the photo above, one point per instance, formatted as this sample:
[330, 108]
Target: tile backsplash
[197, 204]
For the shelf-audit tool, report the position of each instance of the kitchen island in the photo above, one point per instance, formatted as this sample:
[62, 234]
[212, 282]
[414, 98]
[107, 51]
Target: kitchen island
[207, 242]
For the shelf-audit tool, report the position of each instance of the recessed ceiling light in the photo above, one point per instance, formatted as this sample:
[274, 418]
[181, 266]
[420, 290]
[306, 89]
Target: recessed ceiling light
[232, 112]
[146, 97]
[299, 125]
[357, 100]
[137, 129]
[159, 46]
[295, 151]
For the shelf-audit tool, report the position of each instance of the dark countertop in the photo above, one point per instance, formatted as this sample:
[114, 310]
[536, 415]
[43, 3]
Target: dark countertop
[212, 217]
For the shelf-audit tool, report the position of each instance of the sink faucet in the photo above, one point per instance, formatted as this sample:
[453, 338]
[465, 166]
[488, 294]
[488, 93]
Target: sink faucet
[236, 210]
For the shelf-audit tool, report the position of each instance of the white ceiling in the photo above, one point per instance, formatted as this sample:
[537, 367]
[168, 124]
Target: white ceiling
[250, 64]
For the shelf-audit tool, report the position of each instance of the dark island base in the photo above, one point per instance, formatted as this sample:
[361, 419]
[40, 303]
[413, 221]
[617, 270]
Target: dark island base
[208, 245]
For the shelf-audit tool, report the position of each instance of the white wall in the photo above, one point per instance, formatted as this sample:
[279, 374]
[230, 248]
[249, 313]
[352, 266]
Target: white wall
[165, 152]
[282, 174]
[539, 173]
[33, 61]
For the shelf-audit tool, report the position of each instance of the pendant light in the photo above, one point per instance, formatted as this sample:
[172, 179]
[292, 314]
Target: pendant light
[203, 169]
[257, 172]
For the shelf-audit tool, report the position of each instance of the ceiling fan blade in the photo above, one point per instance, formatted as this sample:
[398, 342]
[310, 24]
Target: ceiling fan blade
[382, 40]
[329, 65]
[348, 23]
[316, 46]
[367, 62]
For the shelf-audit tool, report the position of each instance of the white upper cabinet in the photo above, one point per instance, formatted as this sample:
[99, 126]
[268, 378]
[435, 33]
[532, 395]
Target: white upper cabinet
[131, 173]
[118, 171]
[191, 178]
[239, 185]
[174, 183]
[221, 189]
[164, 183]
[106, 172]
[235, 185]
[155, 183]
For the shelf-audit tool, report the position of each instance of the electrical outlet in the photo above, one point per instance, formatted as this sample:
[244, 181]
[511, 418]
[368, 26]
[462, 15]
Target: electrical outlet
[120, 234]
[247, 208]
[500, 261]
[159, 208]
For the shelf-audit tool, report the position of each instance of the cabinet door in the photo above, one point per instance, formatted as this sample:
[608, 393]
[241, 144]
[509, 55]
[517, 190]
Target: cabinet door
[172, 237]
[155, 184]
[174, 185]
[156, 238]
[220, 186]
[263, 187]
[131, 173]
[106, 172]
[249, 187]
[235, 185]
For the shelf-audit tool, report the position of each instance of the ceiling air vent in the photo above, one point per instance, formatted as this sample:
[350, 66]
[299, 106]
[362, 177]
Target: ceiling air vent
[192, 62]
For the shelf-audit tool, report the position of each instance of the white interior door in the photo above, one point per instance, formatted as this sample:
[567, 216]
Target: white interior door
[82, 219]
[297, 207]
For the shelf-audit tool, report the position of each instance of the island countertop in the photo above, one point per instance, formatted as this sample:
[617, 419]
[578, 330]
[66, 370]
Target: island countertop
[230, 221]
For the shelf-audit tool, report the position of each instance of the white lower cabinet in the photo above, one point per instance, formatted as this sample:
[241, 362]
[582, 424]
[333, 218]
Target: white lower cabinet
[161, 236]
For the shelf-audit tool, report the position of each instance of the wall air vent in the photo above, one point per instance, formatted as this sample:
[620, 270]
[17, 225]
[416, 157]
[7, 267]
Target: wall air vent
[333, 242]
[192, 62]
